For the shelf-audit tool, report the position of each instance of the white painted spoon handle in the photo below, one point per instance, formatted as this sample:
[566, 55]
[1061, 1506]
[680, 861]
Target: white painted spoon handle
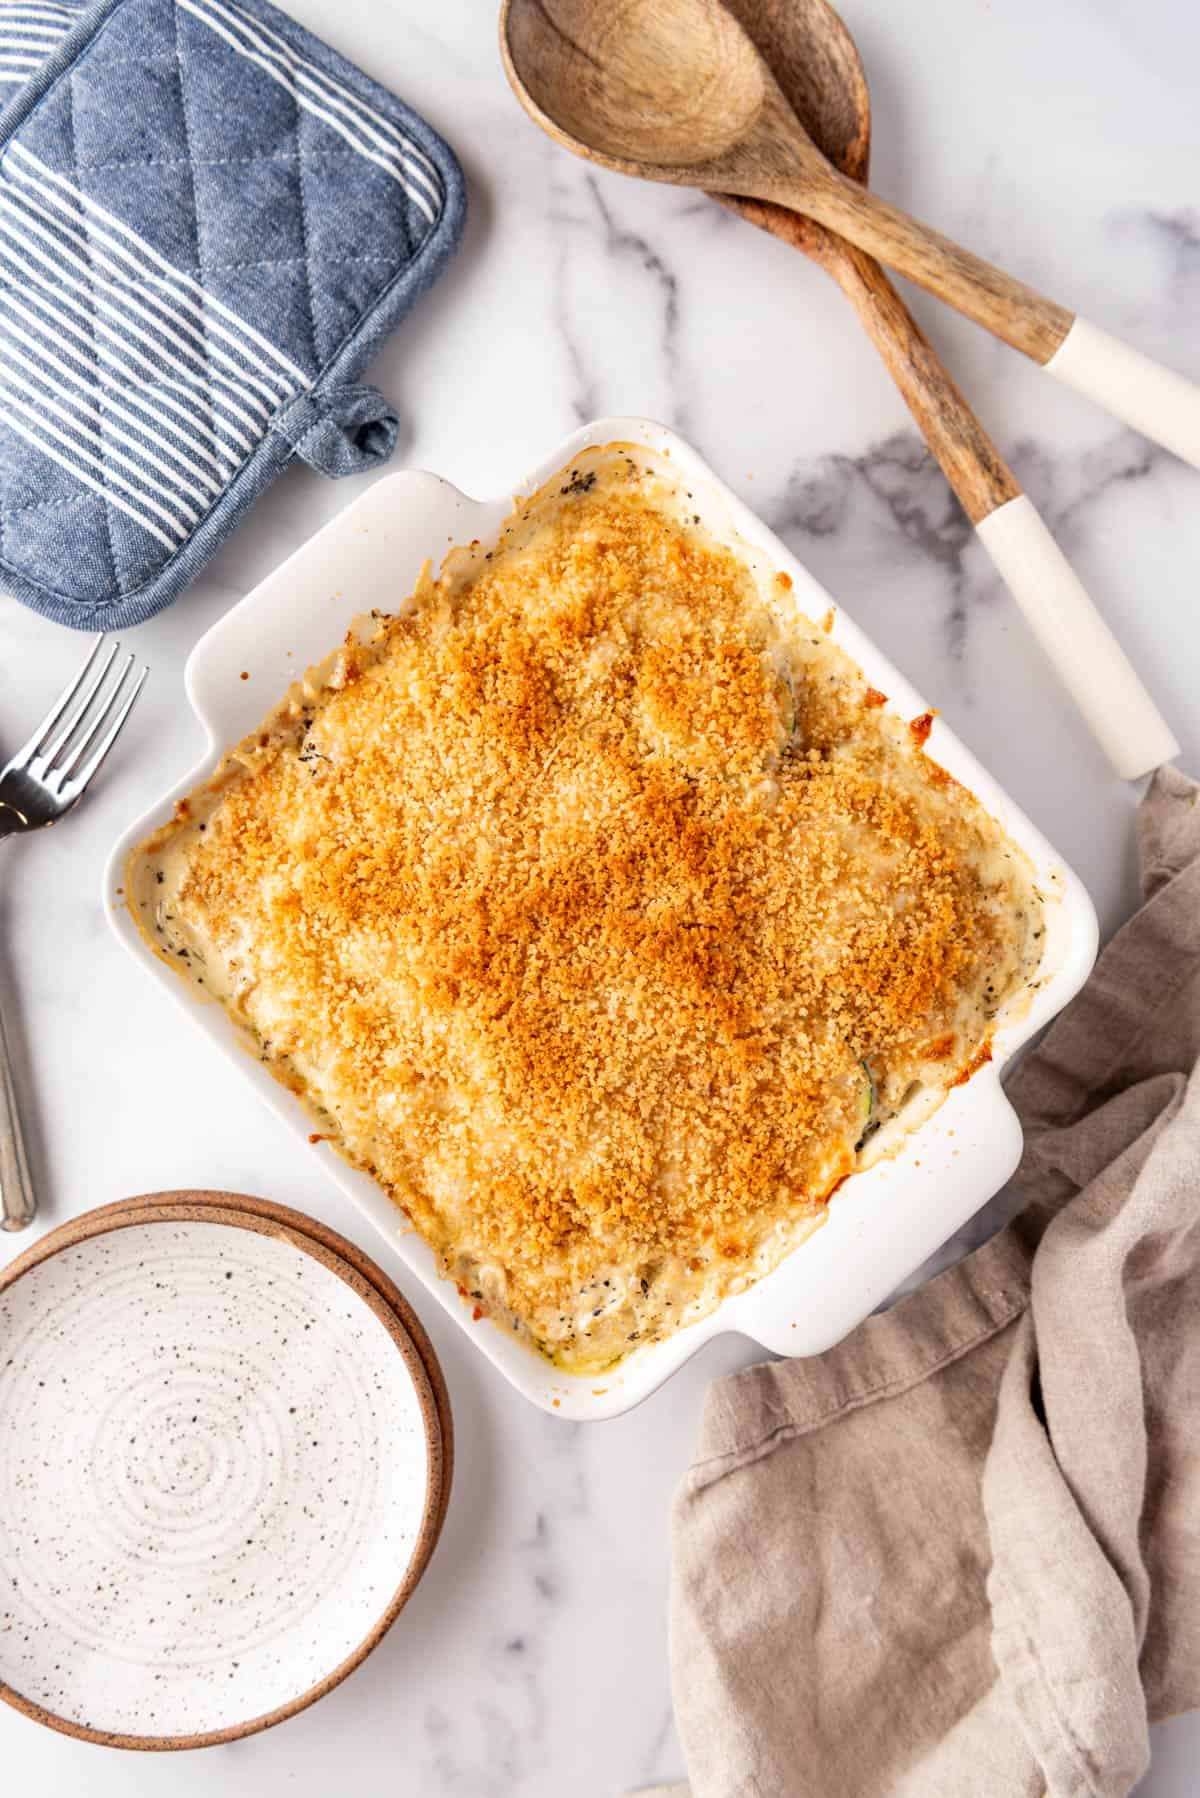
[1090, 662]
[1155, 400]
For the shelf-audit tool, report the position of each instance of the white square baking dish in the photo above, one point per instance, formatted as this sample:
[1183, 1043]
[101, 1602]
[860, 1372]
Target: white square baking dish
[884, 1221]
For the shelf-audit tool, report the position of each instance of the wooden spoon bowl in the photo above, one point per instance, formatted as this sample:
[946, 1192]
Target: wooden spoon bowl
[676, 91]
[816, 63]
[608, 79]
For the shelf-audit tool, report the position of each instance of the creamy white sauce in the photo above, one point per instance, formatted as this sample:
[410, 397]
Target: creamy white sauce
[621, 1310]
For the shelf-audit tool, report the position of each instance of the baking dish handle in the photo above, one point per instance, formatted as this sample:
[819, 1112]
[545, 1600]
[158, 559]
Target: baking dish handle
[867, 1249]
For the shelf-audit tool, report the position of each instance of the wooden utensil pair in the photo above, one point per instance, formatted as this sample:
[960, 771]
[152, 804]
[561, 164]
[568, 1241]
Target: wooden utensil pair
[765, 104]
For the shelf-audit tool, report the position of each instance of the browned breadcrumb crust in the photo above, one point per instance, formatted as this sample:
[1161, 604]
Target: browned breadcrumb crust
[590, 913]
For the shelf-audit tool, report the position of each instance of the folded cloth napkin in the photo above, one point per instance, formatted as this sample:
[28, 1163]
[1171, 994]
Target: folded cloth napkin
[959, 1555]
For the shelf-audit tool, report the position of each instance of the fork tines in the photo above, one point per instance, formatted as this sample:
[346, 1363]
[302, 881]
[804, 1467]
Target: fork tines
[75, 736]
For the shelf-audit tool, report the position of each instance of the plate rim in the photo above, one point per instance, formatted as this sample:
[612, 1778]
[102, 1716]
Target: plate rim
[371, 1286]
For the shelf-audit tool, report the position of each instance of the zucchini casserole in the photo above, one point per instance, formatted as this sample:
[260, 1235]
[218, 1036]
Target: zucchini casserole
[600, 910]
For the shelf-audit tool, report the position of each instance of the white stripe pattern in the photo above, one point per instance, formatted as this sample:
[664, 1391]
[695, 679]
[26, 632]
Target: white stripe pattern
[141, 254]
[29, 32]
[201, 485]
[346, 101]
[12, 411]
[164, 318]
[35, 428]
[86, 422]
[118, 366]
[16, 70]
[99, 290]
[359, 125]
[61, 286]
[150, 403]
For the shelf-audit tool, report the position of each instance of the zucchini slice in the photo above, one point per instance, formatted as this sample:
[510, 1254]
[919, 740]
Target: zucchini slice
[865, 1110]
[789, 705]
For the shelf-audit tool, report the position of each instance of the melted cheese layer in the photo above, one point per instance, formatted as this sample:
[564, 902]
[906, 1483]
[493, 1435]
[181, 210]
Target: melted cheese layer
[600, 910]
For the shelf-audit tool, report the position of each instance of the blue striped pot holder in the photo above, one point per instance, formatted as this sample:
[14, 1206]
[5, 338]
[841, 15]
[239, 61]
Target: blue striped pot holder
[29, 31]
[209, 222]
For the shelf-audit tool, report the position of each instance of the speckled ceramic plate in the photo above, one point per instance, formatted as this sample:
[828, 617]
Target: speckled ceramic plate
[222, 1469]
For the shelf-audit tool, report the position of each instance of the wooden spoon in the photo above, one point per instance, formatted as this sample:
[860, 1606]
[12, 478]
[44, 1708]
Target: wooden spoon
[816, 63]
[675, 90]
[554, 48]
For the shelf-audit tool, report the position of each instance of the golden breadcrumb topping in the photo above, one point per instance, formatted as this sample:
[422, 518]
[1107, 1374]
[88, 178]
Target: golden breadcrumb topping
[601, 909]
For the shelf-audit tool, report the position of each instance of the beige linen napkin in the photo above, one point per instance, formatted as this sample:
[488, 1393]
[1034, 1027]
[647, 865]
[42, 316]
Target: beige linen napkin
[960, 1554]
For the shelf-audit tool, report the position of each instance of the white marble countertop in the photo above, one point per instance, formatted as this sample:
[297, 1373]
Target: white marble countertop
[1063, 139]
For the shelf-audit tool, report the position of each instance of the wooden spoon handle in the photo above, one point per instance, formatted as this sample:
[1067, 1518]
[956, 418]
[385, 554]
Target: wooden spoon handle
[969, 459]
[1158, 402]
[1003, 305]
[1087, 657]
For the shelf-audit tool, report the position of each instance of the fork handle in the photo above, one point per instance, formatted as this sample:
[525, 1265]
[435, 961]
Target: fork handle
[18, 1206]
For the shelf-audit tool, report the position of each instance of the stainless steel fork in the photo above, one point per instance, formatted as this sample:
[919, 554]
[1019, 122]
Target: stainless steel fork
[44, 780]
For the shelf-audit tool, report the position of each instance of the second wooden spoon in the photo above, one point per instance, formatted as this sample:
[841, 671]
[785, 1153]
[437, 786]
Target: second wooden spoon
[621, 83]
[816, 63]
[675, 91]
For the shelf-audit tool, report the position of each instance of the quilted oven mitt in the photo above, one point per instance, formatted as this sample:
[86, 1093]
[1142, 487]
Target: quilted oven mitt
[209, 222]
